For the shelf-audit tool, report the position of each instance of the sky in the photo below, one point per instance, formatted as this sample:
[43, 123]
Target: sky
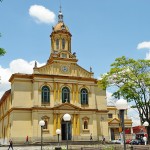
[102, 30]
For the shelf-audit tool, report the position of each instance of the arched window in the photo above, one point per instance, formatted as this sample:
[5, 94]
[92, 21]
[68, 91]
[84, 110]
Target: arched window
[65, 95]
[46, 120]
[57, 44]
[84, 96]
[63, 43]
[46, 124]
[45, 95]
[85, 125]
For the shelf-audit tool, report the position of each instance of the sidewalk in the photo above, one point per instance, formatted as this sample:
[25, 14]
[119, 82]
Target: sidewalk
[78, 147]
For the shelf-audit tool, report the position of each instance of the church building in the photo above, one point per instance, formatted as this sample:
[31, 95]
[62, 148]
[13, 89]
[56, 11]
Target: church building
[60, 86]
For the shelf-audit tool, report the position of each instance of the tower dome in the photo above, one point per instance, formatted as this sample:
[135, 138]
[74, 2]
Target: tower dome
[60, 36]
[60, 26]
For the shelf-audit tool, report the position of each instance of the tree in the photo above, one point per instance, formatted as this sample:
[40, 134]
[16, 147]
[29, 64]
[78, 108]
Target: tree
[2, 51]
[131, 79]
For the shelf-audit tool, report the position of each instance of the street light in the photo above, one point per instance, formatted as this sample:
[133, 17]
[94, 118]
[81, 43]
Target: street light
[67, 118]
[58, 132]
[41, 123]
[121, 106]
[146, 124]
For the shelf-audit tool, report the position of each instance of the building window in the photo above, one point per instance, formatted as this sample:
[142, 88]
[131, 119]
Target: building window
[57, 44]
[63, 43]
[85, 125]
[46, 124]
[45, 95]
[110, 115]
[84, 97]
[46, 120]
[65, 95]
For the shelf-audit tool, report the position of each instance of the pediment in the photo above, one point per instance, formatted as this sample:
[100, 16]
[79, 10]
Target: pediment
[66, 106]
[114, 121]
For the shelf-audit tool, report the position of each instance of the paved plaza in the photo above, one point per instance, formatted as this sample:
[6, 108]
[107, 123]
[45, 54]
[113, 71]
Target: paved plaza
[78, 147]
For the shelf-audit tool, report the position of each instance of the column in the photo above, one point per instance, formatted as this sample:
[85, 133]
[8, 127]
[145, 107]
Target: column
[54, 124]
[54, 92]
[58, 92]
[73, 93]
[95, 125]
[74, 124]
[58, 121]
[35, 93]
[78, 125]
[76, 100]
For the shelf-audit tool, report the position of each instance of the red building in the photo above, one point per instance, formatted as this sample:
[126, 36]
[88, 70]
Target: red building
[139, 131]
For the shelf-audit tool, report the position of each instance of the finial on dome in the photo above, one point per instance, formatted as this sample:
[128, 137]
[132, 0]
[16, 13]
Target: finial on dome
[90, 69]
[60, 15]
[35, 65]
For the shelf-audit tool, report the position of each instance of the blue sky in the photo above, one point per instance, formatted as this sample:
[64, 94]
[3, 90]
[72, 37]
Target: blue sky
[102, 30]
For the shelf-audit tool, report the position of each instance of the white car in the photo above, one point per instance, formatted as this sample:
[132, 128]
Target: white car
[116, 141]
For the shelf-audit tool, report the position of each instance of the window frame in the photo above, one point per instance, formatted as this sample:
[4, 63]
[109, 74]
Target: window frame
[45, 95]
[110, 115]
[57, 43]
[84, 96]
[65, 95]
[63, 43]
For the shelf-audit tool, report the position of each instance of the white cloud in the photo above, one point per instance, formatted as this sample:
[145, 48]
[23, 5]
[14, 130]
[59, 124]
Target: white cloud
[110, 100]
[134, 115]
[15, 66]
[144, 45]
[41, 14]
[148, 55]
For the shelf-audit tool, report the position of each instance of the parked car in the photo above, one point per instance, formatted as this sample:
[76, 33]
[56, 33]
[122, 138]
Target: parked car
[134, 142]
[141, 142]
[128, 141]
[137, 142]
[118, 141]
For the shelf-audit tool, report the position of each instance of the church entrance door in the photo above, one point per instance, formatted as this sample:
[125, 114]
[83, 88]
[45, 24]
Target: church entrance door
[64, 127]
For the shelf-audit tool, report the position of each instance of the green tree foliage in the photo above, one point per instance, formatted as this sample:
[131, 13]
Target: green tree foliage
[132, 79]
[2, 51]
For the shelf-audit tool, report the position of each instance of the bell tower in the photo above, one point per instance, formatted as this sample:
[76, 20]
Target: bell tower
[60, 36]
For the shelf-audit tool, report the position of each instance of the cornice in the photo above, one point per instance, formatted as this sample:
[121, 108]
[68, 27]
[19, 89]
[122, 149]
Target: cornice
[53, 108]
[32, 76]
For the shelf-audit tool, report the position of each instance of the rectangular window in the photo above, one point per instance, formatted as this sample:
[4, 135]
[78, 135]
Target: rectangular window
[110, 115]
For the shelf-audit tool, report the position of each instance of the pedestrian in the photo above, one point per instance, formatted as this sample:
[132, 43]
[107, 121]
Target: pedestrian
[10, 144]
[145, 139]
[91, 137]
[27, 140]
[104, 140]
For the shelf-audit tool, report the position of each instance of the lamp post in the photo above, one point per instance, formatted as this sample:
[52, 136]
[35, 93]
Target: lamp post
[67, 118]
[41, 123]
[146, 124]
[121, 106]
[58, 132]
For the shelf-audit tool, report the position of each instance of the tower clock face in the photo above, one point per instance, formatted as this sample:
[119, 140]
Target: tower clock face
[64, 69]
